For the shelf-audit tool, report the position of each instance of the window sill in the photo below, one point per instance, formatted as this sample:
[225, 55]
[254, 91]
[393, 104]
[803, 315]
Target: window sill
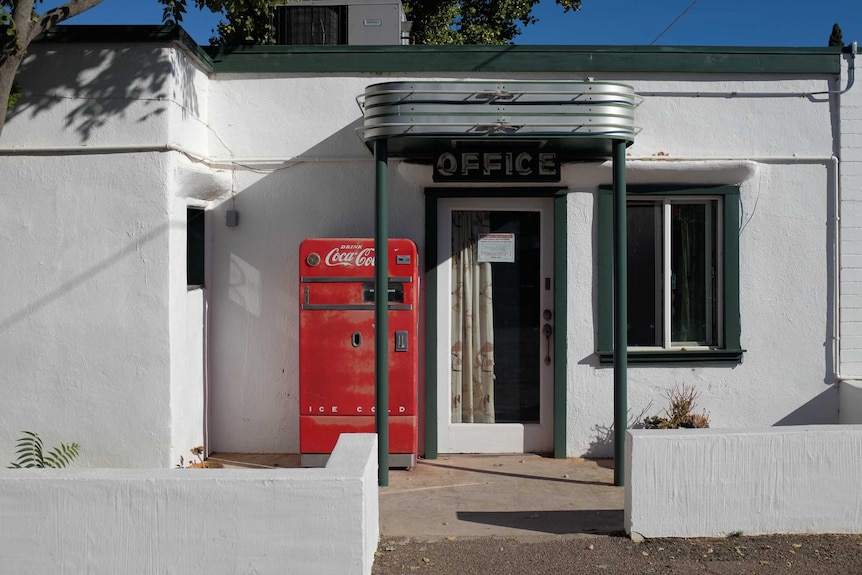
[710, 356]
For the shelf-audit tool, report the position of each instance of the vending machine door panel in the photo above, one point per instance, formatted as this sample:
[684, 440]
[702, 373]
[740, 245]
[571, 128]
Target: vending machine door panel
[337, 366]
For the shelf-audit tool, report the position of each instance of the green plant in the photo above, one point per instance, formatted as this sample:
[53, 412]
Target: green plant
[31, 453]
[14, 95]
[680, 411]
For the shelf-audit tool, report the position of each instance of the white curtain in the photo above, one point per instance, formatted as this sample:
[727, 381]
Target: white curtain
[472, 322]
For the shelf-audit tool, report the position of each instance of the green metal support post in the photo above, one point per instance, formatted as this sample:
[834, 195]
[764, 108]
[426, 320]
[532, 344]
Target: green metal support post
[381, 309]
[620, 313]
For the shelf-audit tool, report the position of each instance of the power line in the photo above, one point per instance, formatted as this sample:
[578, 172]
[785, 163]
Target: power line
[669, 26]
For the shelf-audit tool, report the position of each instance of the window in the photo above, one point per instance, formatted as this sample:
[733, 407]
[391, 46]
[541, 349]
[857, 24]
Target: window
[195, 242]
[683, 274]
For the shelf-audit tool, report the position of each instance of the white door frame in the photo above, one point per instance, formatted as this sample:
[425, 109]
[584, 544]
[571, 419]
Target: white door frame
[491, 437]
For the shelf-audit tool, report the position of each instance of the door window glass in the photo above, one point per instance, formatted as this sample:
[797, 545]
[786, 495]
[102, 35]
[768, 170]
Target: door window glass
[496, 338]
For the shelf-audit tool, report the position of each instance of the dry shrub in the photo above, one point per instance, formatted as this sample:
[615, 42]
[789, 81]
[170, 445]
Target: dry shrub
[680, 411]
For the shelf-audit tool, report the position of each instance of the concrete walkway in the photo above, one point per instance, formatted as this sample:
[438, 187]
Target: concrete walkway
[501, 495]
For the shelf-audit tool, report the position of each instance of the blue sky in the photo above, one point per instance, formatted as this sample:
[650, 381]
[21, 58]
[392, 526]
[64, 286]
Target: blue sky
[707, 23]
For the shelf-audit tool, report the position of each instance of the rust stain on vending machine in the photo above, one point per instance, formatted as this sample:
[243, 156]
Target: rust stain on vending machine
[336, 346]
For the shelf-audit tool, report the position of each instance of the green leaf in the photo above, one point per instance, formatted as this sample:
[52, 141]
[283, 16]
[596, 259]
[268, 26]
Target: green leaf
[61, 456]
[30, 453]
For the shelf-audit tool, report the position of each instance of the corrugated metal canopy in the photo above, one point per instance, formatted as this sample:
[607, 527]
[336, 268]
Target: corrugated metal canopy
[575, 119]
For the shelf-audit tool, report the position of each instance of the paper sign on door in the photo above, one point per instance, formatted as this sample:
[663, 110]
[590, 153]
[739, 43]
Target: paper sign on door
[495, 248]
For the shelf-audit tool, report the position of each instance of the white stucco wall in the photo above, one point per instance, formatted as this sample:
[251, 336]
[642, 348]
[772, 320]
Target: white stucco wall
[102, 343]
[786, 226]
[85, 248]
[783, 378]
[317, 180]
[99, 293]
[188, 391]
[712, 483]
[850, 140]
[850, 402]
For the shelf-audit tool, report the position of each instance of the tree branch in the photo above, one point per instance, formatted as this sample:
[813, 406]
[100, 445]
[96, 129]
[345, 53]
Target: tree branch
[22, 12]
[54, 16]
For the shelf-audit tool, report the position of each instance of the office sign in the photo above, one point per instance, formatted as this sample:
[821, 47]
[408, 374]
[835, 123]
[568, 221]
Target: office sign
[497, 166]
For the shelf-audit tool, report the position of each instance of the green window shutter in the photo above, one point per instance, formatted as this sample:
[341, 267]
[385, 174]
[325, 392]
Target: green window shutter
[732, 321]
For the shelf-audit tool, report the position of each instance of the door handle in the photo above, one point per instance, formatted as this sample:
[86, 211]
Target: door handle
[547, 330]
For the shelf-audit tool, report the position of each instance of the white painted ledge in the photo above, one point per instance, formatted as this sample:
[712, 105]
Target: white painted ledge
[714, 482]
[194, 520]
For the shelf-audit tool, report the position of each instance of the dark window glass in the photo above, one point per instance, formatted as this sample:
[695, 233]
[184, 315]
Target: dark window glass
[644, 226]
[690, 298]
[195, 247]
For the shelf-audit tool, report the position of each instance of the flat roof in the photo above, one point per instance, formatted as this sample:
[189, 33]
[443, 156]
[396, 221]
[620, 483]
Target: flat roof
[468, 58]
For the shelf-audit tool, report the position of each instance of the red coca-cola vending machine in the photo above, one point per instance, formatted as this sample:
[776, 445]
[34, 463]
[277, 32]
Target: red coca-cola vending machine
[336, 346]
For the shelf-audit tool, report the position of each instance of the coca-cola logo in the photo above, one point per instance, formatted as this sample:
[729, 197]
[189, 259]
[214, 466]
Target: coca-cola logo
[350, 255]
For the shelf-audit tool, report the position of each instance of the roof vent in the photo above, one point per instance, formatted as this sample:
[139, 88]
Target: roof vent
[338, 22]
[314, 25]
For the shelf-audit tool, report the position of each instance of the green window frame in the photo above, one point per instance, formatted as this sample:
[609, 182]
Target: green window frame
[726, 347]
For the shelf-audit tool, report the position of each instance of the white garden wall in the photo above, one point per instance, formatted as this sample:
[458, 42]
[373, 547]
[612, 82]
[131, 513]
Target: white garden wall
[712, 483]
[194, 520]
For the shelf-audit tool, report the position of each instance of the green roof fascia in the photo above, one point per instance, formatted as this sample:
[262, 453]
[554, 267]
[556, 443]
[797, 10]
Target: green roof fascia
[514, 58]
[468, 58]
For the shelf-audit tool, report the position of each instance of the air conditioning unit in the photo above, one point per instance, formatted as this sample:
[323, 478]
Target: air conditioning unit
[340, 22]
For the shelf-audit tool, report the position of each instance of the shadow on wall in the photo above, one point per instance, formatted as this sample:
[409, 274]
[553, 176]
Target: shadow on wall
[822, 410]
[602, 445]
[103, 84]
[55, 293]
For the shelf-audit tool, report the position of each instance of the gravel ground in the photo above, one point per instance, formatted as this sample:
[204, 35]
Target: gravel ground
[619, 555]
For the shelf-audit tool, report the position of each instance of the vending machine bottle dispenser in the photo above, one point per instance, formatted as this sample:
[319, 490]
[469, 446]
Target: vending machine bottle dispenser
[336, 346]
